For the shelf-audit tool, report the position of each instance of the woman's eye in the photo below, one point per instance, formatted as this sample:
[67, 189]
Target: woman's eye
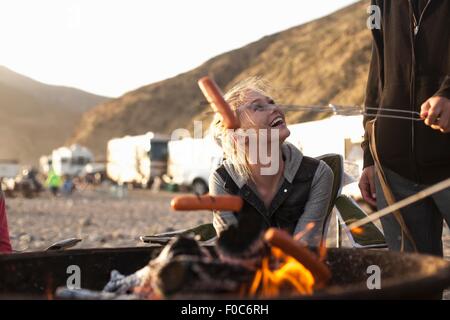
[258, 107]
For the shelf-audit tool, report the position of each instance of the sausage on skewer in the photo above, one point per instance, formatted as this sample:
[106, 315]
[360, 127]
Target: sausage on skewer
[218, 103]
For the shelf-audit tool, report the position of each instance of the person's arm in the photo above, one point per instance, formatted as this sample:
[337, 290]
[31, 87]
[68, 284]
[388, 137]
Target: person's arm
[373, 97]
[316, 207]
[221, 219]
[5, 244]
[374, 90]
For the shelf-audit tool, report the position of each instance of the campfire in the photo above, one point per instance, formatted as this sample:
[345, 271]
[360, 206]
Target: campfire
[247, 261]
[272, 264]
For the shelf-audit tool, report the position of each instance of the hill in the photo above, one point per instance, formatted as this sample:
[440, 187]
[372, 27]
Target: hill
[324, 61]
[37, 117]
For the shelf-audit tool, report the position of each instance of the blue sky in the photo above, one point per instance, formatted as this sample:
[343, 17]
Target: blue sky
[113, 46]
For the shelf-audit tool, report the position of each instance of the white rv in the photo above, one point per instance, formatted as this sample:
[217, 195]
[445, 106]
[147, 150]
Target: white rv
[191, 161]
[67, 160]
[137, 159]
[9, 168]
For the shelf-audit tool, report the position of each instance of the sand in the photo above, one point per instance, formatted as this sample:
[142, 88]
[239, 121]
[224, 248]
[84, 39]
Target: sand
[102, 217]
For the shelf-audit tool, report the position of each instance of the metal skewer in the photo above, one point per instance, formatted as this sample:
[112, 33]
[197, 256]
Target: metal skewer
[348, 110]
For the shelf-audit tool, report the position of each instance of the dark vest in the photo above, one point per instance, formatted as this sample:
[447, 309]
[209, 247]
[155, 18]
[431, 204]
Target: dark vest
[288, 204]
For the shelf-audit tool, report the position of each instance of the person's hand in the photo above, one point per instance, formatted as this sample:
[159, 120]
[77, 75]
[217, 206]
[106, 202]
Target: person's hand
[436, 113]
[367, 186]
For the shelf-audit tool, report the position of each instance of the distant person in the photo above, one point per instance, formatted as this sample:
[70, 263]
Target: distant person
[68, 186]
[32, 175]
[53, 182]
[292, 196]
[410, 72]
[5, 245]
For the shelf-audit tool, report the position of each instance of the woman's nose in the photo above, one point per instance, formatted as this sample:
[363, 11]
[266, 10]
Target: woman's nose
[274, 108]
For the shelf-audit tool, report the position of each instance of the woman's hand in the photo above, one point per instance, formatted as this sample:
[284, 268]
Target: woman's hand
[436, 113]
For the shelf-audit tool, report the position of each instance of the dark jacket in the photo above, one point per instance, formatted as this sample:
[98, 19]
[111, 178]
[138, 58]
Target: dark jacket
[303, 195]
[406, 70]
[289, 202]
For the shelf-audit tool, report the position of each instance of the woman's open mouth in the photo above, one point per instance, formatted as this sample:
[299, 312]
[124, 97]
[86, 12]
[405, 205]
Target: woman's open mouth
[277, 122]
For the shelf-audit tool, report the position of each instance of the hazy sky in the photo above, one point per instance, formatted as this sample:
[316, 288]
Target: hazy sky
[113, 46]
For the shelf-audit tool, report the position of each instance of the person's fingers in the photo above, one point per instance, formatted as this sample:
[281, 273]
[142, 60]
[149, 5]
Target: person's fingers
[364, 186]
[444, 120]
[424, 109]
[371, 179]
[433, 114]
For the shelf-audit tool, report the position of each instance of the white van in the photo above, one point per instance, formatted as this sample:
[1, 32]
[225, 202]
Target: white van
[191, 161]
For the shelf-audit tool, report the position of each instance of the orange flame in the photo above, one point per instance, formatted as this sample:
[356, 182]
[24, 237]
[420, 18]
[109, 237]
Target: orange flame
[289, 277]
[357, 230]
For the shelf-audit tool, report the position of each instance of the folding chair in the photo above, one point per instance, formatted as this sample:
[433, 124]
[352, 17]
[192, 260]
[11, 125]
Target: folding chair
[205, 233]
[348, 211]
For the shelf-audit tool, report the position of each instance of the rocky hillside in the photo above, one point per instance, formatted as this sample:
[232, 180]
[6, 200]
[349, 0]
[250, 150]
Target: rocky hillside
[35, 117]
[323, 61]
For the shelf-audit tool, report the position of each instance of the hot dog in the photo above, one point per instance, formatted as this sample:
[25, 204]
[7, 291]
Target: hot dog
[214, 96]
[282, 240]
[207, 202]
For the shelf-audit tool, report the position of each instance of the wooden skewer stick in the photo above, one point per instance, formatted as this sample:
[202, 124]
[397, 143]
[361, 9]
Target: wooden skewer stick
[282, 240]
[218, 103]
[401, 204]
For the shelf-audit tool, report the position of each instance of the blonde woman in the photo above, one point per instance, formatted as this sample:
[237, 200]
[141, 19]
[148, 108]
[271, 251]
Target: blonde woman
[289, 191]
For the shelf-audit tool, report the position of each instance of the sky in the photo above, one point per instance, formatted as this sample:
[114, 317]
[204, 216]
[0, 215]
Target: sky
[109, 47]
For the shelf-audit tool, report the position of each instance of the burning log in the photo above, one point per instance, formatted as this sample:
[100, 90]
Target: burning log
[186, 268]
[288, 245]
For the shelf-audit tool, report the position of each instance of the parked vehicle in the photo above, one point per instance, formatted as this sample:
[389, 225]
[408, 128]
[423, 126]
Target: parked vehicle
[67, 160]
[9, 169]
[191, 161]
[137, 160]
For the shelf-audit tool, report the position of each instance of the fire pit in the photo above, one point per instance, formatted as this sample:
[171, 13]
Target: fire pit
[37, 275]
[248, 261]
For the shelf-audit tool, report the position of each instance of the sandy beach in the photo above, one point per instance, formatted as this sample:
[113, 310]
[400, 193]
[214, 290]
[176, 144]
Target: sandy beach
[103, 218]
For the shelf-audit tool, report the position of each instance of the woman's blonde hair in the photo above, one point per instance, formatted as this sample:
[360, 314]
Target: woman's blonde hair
[227, 138]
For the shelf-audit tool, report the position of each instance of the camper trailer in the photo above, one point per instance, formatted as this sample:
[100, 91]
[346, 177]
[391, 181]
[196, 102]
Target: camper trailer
[9, 170]
[191, 161]
[67, 160]
[137, 160]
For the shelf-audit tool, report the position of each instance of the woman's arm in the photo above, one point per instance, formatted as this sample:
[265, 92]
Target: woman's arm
[317, 205]
[5, 245]
[221, 219]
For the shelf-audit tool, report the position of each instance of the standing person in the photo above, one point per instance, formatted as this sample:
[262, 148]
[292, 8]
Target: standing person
[410, 72]
[5, 245]
[53, 182]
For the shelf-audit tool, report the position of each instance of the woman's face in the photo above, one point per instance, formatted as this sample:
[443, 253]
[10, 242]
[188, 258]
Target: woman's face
[261, 112]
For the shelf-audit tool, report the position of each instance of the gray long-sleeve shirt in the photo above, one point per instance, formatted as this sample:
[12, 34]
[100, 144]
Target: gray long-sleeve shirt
[315, 209]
